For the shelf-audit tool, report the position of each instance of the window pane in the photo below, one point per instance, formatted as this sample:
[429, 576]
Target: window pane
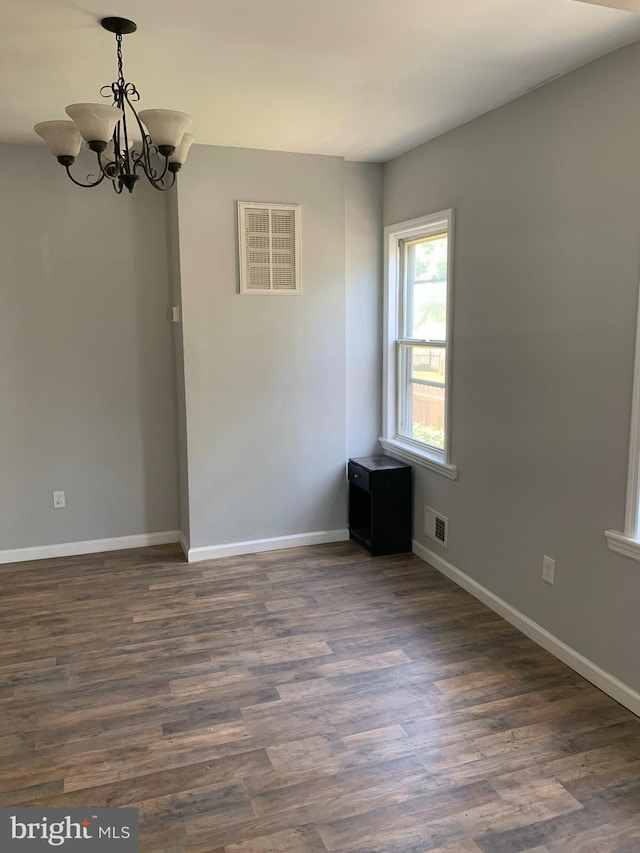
[426, 288]
[422, 394]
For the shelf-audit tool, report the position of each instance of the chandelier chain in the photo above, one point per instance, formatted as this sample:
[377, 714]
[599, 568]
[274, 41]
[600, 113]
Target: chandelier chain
[119, 52]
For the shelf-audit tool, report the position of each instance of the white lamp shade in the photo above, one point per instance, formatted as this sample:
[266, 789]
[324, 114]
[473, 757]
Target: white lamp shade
[182, 150]
[62, 137]
[166, 127]
[96, 122]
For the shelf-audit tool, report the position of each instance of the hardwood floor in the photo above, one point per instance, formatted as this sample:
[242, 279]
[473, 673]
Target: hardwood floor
[305, 700]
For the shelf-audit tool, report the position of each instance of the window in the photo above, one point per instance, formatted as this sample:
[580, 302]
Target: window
[417, 342]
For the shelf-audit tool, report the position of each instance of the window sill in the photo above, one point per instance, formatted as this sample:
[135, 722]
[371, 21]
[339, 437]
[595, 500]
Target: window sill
[408, 453]
[622, 544]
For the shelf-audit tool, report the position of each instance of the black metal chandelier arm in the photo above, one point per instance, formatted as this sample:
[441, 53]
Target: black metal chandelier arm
[110, 91]
[109, 171]
[158, 185]
[86, 186]
[144, 158]
[144, 161]
[165, 170]
[130, 91]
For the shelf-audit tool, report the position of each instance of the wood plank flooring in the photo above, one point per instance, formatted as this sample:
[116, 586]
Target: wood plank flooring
[305, 700]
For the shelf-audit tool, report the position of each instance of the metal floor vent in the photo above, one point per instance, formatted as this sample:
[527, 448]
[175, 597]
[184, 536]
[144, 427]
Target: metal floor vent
[436, 526]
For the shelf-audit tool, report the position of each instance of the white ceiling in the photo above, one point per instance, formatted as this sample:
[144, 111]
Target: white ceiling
[364, 79]
[627, 5]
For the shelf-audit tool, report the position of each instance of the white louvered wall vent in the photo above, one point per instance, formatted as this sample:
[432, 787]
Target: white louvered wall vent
[269, 242]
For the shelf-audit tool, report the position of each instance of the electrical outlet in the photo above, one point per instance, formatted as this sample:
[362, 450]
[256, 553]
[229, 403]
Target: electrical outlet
[548, 569]
[59, 500]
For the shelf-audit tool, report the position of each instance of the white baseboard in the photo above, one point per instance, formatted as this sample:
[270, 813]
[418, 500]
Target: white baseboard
[608, 683]
[252, 546]
[143, 540]
[89, 546]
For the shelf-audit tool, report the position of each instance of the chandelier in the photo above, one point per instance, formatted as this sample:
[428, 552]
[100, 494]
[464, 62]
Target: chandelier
[164, 146]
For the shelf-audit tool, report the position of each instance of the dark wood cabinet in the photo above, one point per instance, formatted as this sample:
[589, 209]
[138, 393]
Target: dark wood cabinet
[380, 504]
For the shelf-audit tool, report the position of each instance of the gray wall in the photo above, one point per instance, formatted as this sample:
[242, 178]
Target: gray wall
[264, 375]
[363, 223]
[546, 192]
[233, 425]
[86, 390]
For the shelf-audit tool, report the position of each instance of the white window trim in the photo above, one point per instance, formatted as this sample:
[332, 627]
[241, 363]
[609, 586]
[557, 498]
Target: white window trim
[392, 443]
[627, 543]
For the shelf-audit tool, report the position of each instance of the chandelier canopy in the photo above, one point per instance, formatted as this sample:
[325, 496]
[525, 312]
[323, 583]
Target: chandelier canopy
[158, 156]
